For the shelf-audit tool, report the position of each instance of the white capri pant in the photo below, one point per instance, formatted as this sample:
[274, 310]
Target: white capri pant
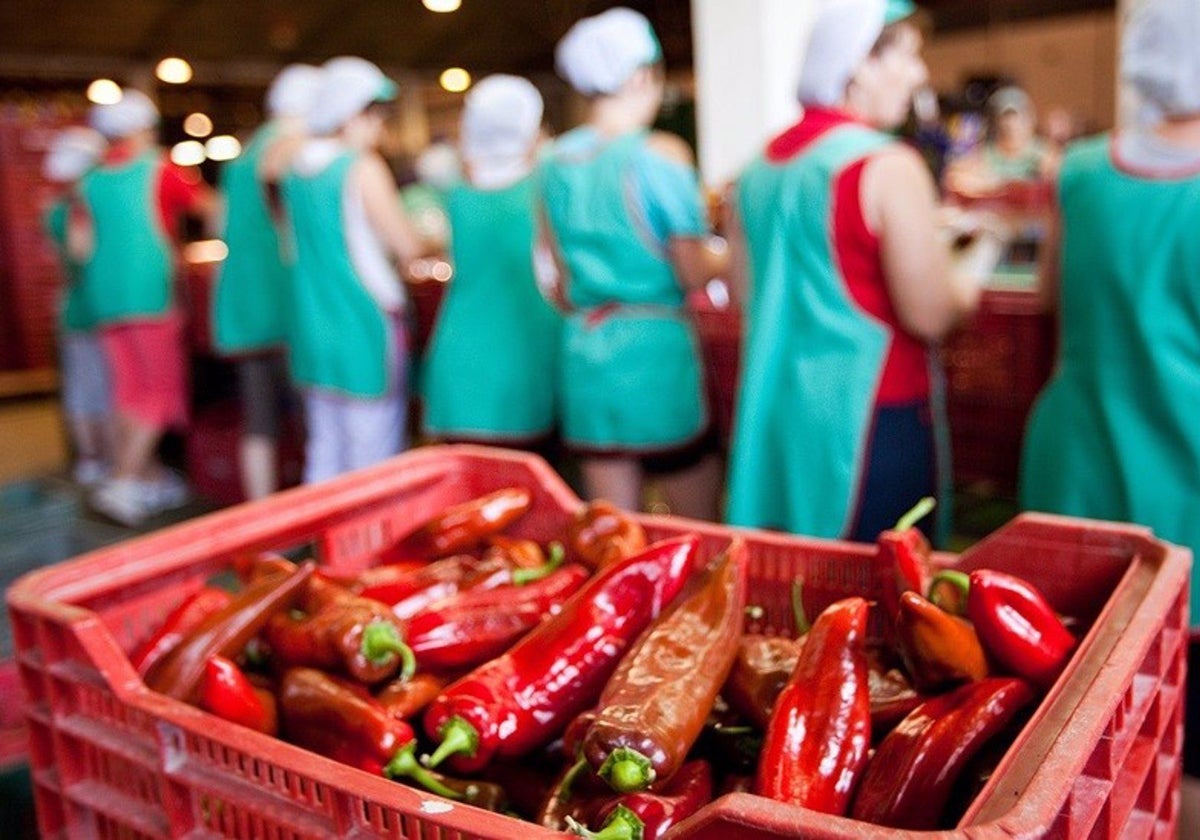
[86, 379]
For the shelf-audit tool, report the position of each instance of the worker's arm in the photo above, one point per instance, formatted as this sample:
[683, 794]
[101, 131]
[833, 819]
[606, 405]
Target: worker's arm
[381, 199]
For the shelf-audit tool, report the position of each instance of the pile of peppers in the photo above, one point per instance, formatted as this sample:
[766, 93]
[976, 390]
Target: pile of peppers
[606, 686]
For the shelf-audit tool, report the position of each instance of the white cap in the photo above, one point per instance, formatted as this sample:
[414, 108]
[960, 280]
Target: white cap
[599, 54]
[134, 112]
[1159, 55]
[347, 86]
[72, 152]
[438, 166]
[841, 38]
[292, 92]
[501, 119]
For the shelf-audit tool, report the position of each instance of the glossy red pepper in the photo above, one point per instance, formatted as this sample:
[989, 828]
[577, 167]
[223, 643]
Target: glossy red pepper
[600, 534]
[905, 554]
[251, 566]
[225, 633]
[462, 527]
[228, 694]
[820, 730]
[574, 796]
[1018, 628]
[654, 706]
[938, 648]
[181, 621]
[913, 770]
[474, 627]
[648, 815]
[345, 632]
[518, 701]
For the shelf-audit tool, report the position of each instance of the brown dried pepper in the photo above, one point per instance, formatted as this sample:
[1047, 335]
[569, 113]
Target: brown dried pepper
[601, 534]
[655, 705]
[938, 648]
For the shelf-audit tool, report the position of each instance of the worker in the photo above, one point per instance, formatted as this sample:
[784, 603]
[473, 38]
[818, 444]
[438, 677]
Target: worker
[845, 284]
[86, 382]
[493, 358]
[624, 217]
[349, 341]
[136, 201]
[250, 301]
[1012, 152]
[1114, 434]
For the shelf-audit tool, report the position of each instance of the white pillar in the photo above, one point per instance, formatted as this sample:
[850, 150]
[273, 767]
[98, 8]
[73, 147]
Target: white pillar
[747, 59]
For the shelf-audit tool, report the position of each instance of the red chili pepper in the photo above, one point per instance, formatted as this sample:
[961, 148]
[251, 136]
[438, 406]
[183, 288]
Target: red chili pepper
[225, 633]
[520, 700]
[251, 566]
[181, 621]
[938, 649]
[601, 534]
[462, 527]
[404, 698]
[905, 552]
[474, 627]
[574, 796]
[228, 694]
[346, 632]
[914, 769]
[648, 815]
[1018, 628]
[949, 589]
[820, 730]
[654, 707]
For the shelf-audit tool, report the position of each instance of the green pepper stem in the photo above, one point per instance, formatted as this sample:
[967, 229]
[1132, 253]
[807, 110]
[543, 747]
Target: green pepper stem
[627, 770]
[622, 824]
[918, 512]
[404, 765]
[959, 581]
[572, 776]
[520, 577]
[458, 738]
[381, 641]
[799, 616]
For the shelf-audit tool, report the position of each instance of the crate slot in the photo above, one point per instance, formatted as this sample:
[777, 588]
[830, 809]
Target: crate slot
[102, 737]
[120, 809]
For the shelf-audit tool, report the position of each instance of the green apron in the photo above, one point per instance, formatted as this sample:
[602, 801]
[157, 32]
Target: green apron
[812, 360]
[128, 276]
[493, 358]
[341, 340]
[630, 378]
[74, 314]
[253, 284]
[1114, 435]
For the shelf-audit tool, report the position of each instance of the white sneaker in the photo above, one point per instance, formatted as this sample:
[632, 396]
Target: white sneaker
[167, 492]
[90, 472]
[124, 500]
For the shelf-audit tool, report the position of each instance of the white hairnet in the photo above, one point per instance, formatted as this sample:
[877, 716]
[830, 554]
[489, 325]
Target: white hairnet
[347, 86]
[438, 166]
[72, 152]
[842, 36]
[1160, 57]
[501, 119]
[134, 112]
[599, 54]
[292, 92]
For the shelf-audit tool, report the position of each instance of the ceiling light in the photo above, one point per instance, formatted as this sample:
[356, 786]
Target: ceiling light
[173, 71]
[442, 5]
[455, 79]
[188, 153]
[222, 147]
[197, 125]
[104, 92]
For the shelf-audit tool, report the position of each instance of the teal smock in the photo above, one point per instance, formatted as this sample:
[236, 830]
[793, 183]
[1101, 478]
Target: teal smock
[128, 276]
[341, 340]
[631, 380]
[493, 357]
[1115, 434]
[253, 284]
[812, 360]
[74, 315]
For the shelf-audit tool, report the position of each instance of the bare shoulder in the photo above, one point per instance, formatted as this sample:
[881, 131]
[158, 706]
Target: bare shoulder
[898, 162]
[671, 146]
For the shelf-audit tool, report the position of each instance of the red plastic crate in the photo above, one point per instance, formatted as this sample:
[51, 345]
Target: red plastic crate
[720, 333]
[1100, 757]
